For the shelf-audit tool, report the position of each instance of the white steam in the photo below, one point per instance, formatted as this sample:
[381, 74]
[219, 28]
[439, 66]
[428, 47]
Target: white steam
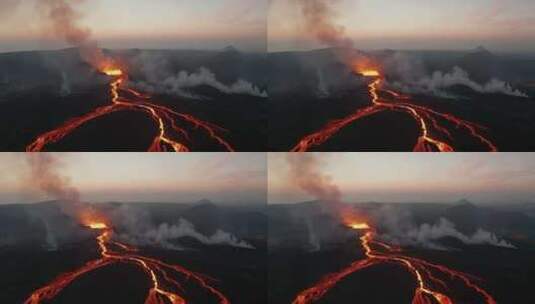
[51, 241]
[322, 86]
[439, 81]
[158, 80]
[65, 85]
[180, 83]
[312, 237]
[427, 235]
[165, 233]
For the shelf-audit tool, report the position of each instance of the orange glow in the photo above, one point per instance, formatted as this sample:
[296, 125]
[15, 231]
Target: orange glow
[172, 134]
[366, 67]
[97, 225]
[113, 72]
[359, 226]
[431, 281]
[370, 73]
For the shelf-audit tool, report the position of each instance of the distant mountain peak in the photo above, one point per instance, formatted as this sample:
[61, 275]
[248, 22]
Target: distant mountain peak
[464, 206]
[481, 50]
[464, 201]
[230, 49]
[204, 201]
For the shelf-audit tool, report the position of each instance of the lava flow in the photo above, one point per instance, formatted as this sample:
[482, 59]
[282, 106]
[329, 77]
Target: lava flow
[433, 131]
[164, 285]
[170, 136]
[431, 279]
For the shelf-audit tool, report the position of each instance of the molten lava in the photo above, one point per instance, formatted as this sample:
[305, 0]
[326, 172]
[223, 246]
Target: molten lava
[97, 225]
[433, 125]
[431, 279]
[165, 277]
[359, 226]
[171, 135]
[370, 73]
[113, 72]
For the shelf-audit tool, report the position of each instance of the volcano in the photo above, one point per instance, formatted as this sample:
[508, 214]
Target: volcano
[158, 271]
[430, 121]
[89, 264]
[164, 118]
[331, 108]
[55, 101]
[356, 263]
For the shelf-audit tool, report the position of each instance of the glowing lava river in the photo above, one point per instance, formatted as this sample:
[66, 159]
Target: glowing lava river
[434, 134]
[164, 289]
[171, 136]
[431, 279]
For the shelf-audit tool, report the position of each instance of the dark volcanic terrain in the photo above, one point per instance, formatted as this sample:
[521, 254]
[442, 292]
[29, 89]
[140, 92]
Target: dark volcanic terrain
[28, 262]
[39, 91]
[295, 264]
[328, 90]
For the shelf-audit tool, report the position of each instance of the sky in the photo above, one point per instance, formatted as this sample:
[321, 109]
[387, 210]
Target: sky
[206, 24]
[144, 177]
[414, 177]
[499, 25]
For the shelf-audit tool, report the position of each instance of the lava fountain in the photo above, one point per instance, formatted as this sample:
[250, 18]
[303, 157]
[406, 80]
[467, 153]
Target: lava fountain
[435, 127]
[171, 135]
[165, 289]
[431, 279]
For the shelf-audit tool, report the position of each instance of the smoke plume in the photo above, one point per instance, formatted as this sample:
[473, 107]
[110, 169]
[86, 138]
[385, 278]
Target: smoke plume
[427, 235]
[322, 86]
[313, 241]
[318, 15]
[180, 83]
[398, 228]
[439, 81]
[51, 241]
[63, 20]
[65, 85]
[164, 233]
[44, 176]
[305, 172]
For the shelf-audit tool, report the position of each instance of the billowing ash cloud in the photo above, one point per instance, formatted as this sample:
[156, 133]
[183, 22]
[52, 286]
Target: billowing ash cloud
[180, 83]
[439, 81]
[318, 16]
[63, 20]
[45, 175]
[305, 172]
[165, 233]
[398, 228]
